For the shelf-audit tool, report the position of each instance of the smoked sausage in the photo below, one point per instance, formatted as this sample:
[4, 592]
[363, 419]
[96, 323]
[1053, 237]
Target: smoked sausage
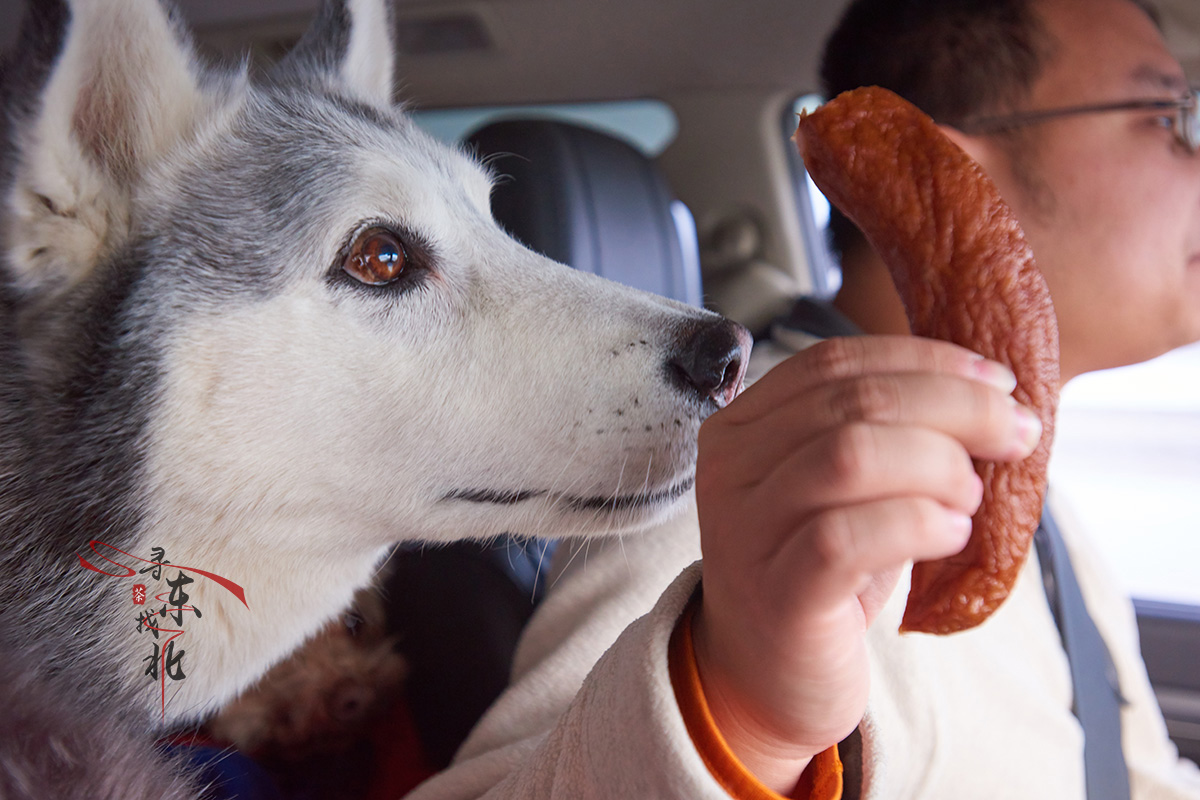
[965, 274]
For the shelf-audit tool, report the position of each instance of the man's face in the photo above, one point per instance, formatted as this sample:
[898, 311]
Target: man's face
[1114, 211]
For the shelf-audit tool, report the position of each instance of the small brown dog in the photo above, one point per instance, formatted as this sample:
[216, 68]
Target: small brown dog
[322, 698]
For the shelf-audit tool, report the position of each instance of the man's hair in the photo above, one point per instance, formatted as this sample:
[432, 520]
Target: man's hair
[953, 59]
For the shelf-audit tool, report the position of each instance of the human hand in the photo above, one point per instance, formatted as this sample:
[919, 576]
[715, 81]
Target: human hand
[815, 488]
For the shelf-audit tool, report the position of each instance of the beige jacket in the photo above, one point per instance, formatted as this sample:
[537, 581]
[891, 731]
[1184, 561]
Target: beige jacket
[982, 714]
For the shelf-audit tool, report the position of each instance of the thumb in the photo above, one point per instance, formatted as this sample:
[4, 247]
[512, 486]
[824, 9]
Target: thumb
[877, 592]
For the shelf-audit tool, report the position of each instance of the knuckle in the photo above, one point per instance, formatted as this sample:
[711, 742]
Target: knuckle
[835, 358]
[994, 407]
[957, 484]
[832, 541]
[874, 398]
[853, 453]
[927, 517]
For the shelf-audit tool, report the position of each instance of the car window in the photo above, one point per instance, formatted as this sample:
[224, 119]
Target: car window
[1126, 459]
[814, 208]
[648, 125]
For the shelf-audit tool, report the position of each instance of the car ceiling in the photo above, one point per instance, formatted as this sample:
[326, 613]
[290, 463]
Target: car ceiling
[456, 53]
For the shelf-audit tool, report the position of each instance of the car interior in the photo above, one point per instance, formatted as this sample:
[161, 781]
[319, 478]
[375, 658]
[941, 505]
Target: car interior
[648, 142]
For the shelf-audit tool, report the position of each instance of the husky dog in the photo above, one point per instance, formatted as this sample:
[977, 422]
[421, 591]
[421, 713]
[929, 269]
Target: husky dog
[259, 331]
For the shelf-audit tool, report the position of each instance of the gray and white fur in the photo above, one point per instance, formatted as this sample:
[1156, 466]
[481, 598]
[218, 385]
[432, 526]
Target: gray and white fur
[186, 363]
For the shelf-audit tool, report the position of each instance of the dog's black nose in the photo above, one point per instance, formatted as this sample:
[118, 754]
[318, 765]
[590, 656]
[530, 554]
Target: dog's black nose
[712, 360]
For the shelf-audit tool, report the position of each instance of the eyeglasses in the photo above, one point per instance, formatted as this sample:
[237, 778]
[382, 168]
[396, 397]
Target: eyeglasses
[1186, 125]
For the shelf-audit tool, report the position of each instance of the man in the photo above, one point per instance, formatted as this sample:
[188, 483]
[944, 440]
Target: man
[1110, 201]
[824, 479]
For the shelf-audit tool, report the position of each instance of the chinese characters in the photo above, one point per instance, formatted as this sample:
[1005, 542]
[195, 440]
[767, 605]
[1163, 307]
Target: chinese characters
[165, 662]
[166, 653]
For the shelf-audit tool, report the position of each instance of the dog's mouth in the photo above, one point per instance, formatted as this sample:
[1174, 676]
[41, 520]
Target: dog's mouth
[621, 502]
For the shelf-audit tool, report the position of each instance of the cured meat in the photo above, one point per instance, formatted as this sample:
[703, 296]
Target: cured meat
[965, 274]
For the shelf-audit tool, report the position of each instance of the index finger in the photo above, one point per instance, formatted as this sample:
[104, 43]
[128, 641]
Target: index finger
[844, 357]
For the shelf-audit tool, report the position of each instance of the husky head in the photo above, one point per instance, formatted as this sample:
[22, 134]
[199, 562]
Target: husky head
[277, 318]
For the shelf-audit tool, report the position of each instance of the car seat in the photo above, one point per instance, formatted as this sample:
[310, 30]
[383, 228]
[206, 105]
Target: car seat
[591, 201]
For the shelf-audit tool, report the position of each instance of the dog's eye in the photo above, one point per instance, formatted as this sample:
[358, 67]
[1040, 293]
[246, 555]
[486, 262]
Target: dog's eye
[353, 621]
[376, 258]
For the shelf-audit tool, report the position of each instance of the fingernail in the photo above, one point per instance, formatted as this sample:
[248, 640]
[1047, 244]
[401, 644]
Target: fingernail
[996, 374]
[1029, 429]
[961, 524]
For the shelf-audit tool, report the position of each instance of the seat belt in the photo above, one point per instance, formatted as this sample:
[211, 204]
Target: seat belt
[1097, 693]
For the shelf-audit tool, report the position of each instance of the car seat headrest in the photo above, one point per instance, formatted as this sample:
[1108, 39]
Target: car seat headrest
[593, 202]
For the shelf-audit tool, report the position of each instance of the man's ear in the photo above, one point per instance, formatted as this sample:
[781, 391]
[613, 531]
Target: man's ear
[349, 46]
[120, 94]
[988, 151]
[1029, 198]
[981, 148]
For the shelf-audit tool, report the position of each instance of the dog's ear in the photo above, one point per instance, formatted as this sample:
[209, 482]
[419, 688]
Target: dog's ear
[120, 94]
[350, 46]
